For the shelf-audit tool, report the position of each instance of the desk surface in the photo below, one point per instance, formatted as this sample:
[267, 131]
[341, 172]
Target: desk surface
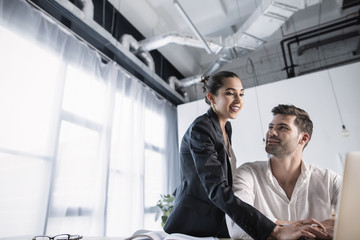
[103, 238]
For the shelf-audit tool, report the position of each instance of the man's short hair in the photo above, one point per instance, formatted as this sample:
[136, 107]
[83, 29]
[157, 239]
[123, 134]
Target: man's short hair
[302, 120]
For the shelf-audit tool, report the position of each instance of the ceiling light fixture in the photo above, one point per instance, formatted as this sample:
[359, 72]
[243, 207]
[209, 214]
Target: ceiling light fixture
[192, 26]
[344, 131]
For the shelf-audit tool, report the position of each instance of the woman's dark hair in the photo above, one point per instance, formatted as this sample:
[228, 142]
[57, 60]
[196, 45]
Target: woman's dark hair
[211, 84]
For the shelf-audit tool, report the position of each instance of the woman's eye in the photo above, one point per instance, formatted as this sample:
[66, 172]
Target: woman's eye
[229, 93]
[242, 94]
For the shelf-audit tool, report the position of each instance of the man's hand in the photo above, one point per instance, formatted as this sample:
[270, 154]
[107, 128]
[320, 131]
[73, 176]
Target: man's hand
[309, 228]
[329, 225]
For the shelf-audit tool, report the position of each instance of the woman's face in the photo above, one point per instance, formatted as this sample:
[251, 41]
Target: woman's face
[229, 99]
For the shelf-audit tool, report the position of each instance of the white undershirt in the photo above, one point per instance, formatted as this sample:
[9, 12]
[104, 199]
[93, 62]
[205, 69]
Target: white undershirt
[232, 159]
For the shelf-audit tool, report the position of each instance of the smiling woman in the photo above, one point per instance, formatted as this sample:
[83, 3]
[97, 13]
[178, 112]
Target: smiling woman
[206, 164]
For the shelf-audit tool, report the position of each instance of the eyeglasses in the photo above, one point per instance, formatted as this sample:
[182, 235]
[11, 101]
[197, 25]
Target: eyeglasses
[58, 237]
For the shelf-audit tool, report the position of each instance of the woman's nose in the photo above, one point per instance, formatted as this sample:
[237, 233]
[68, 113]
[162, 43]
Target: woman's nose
[237, 98]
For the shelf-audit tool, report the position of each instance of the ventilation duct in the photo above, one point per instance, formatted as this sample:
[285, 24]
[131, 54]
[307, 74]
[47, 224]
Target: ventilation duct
[132, 45]
[269, 16]
[86, 6]
[177, 38]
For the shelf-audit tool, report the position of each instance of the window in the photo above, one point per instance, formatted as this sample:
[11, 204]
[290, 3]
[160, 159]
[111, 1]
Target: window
[28, 106]
[82, 143]
[154, 166]
[78, 171]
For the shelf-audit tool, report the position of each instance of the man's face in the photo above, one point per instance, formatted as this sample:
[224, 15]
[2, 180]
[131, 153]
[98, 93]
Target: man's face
[282, 137]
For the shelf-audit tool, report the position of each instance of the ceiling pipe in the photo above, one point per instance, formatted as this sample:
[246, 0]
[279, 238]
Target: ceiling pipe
[290, 69]
[177, 38]
[131, 44]
[88, 8]
[191, 25]
[317, 44]
[176, 83]
[227, 56]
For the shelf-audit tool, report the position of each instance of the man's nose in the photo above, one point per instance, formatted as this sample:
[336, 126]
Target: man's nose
[272, 132]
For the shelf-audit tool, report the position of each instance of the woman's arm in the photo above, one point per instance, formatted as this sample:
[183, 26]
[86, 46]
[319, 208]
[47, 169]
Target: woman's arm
[209, 154]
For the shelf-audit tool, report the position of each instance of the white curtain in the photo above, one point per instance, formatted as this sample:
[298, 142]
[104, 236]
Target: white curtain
[85, 148]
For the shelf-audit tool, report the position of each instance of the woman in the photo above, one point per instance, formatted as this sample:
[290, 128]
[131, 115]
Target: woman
[205, 194]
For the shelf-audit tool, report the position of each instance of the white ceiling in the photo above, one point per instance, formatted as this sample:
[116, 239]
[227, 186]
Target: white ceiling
[218, 19]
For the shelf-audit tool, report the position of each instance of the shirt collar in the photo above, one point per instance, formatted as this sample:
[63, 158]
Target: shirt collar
[305, 170]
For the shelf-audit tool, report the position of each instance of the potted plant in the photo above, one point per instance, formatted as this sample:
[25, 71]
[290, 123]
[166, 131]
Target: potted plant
[164, 207]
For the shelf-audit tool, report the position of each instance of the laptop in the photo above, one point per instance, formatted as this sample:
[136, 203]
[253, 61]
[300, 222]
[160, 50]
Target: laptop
[348, 211]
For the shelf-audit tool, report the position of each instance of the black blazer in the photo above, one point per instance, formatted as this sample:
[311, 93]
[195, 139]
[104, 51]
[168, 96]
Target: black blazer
[205, 194]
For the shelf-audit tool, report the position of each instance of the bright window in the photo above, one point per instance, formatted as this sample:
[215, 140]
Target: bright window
[84, 95]
[28, 95]
[29, 101]
[82, 143]
[78, 163]
[154, 166]
[75, 179]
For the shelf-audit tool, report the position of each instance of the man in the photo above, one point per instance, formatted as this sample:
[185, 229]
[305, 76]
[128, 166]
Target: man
[285, 188]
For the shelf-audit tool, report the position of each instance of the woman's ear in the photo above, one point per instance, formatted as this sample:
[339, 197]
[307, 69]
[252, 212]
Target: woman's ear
[210, 97]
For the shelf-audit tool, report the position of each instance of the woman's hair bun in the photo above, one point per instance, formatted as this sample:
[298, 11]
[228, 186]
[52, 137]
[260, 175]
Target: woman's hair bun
[204, 80]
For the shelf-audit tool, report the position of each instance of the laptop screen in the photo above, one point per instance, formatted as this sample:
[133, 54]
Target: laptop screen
[348, 210]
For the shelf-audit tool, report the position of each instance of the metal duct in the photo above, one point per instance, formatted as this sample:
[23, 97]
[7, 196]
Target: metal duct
[88, 8]
[227, 55]
[177, 38]
[266, 19]
[131, 44]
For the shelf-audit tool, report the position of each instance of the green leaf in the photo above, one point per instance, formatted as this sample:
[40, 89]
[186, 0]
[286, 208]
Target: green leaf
[164, 207]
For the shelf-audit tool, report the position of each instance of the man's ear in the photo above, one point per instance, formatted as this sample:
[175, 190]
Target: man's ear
[305, 138]
[210, 97]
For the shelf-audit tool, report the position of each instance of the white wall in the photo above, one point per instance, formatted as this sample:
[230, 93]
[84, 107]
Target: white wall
[313, 93]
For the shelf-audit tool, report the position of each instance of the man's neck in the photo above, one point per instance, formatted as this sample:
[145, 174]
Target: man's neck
[286, 170]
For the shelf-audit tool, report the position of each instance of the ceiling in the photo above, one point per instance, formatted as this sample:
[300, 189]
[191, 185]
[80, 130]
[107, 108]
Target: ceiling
[263, 41]
[220, 20]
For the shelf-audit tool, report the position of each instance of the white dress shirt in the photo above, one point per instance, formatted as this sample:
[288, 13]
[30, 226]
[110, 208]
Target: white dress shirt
[315, 194]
